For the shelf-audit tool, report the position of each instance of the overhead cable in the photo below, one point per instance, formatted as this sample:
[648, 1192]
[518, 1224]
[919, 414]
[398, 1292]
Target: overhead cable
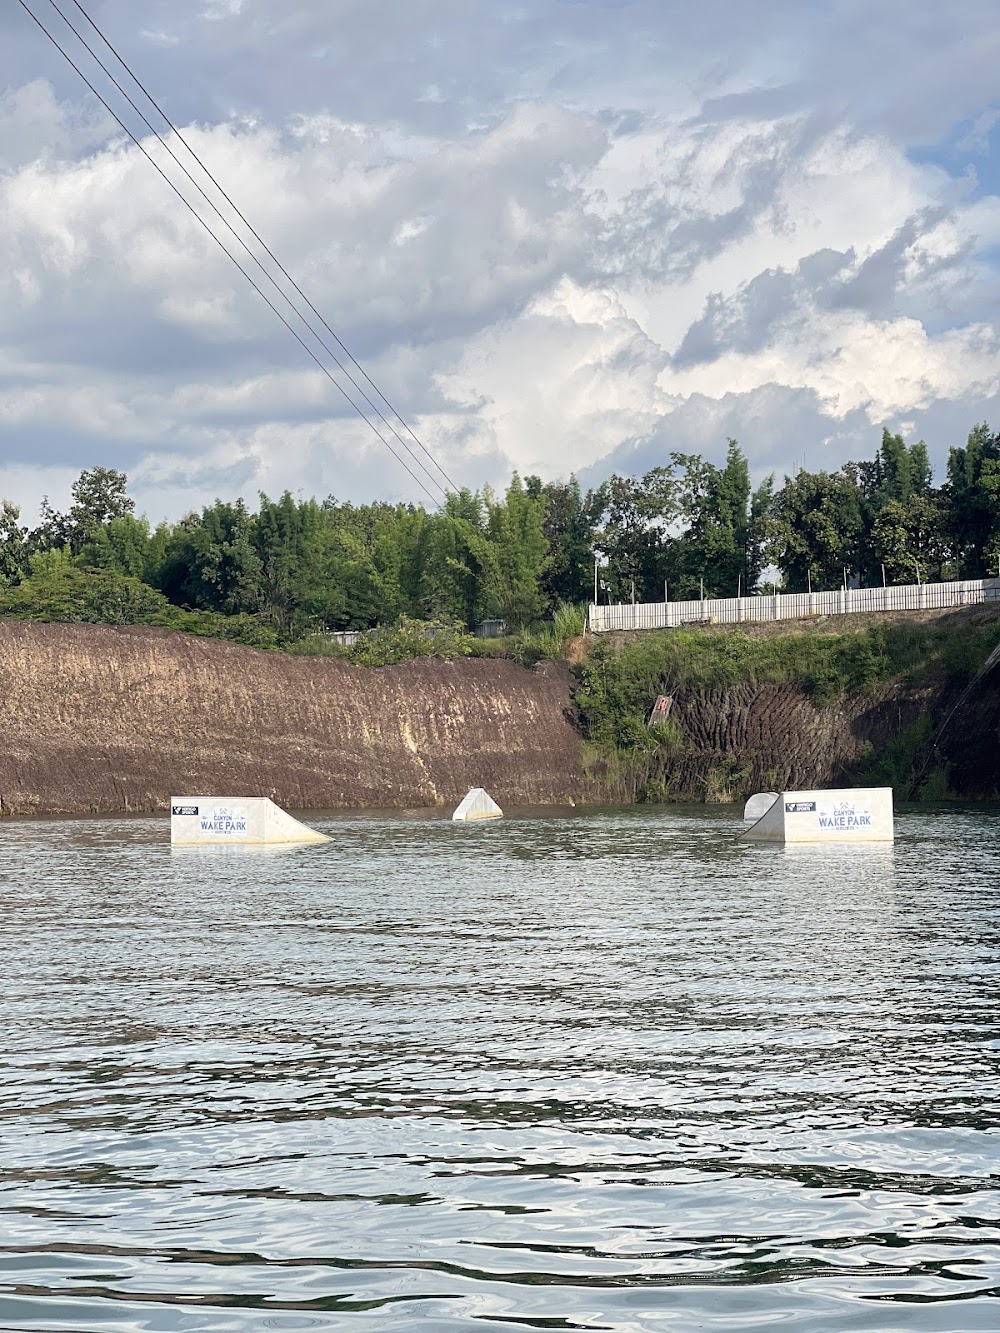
[233, 258]
[243, 218]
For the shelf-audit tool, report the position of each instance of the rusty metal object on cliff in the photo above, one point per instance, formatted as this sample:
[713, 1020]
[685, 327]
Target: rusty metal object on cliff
[661, 709]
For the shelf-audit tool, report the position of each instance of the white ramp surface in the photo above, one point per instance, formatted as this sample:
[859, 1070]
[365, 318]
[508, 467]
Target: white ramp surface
[758, 806]
[217, 821]
[851, 814]
[478, 804]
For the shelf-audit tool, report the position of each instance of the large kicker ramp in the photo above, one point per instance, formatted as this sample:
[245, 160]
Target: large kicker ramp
[233, 821]
[858, 814]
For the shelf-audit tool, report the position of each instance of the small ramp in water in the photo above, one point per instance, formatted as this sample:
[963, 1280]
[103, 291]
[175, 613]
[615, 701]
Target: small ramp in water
[477, 805]
[233, 821]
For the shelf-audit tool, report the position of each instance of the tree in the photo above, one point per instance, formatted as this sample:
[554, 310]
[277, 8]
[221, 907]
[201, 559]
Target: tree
[126, 545]
[818, 530]
[457, 564]
[633, 521]
[99, 496]
[14, 548]
[909, 539]
[516, 530]
[57, 590]
[568, 528]
[973, 501]
[210, 561]
[716, 503]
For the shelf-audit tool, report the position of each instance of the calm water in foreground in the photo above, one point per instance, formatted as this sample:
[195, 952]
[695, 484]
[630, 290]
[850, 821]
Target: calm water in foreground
[611, 1071]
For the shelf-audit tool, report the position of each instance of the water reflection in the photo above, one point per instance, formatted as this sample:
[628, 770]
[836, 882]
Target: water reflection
[613, 1070]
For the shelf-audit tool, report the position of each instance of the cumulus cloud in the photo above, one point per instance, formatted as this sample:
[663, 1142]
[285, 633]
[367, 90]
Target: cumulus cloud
[560, 237]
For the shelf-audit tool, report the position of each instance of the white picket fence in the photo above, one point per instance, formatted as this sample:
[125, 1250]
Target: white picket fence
[792, 606]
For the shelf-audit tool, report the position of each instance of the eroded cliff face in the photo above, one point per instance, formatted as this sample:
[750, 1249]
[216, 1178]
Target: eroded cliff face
[96, 719]
[773, 737]
[930, 741]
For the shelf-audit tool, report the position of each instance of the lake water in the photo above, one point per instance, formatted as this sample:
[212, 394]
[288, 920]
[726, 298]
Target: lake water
[606, 1071]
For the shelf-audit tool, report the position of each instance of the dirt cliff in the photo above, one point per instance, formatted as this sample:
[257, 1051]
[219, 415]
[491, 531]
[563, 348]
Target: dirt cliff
[101, 719]
[773, 737]
[95, 719]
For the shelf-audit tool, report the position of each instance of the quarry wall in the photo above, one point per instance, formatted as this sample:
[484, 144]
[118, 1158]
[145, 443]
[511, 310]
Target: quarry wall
[101, 719]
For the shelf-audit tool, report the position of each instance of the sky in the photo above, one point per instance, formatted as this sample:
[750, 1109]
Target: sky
[561, 236]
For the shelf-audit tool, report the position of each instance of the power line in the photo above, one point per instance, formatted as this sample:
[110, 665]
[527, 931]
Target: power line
[226, 223]
[242, 217]
[233, 259]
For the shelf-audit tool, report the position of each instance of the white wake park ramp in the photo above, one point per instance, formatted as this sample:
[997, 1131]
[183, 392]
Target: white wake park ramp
[206, 821]
[478, 804]
[854, 814]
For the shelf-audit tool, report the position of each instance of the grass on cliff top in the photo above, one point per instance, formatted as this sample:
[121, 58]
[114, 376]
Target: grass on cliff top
[621, 677]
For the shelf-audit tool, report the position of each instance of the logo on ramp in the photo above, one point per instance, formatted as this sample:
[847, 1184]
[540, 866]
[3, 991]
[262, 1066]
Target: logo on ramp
[845, 817]
[224, 821]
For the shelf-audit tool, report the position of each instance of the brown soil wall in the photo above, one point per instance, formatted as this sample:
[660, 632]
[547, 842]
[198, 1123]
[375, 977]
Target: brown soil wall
[95, 719]
[100, 719]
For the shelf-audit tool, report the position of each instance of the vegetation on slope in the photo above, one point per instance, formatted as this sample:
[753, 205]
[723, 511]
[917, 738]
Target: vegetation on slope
[621, 678]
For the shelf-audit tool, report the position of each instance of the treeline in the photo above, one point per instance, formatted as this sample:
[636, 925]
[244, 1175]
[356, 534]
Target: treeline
[295, 567]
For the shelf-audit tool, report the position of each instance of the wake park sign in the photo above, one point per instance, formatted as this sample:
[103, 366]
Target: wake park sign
[857, 814]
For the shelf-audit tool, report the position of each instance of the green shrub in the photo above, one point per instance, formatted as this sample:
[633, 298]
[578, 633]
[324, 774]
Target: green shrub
[408, 639]
[58, 591]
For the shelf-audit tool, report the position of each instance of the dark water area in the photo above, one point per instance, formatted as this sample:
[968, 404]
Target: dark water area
[604, 1071]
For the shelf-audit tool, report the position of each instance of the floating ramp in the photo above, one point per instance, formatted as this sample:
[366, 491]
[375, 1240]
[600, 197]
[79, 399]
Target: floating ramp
[478, 804]
[854, 814]
[206, 821]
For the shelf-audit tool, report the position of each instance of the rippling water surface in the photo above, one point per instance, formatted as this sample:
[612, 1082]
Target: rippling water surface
[610, 1071]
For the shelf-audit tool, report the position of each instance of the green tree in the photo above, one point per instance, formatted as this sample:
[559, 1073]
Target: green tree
[457, 563]
[568, 528]
[99, 496]
[516, 530]
[210, 561]
[818, 530]
[14, 549]
[57, 590]
[909, 539]
[723, 543]
[634, 516]
[126, 545]
[973, 501]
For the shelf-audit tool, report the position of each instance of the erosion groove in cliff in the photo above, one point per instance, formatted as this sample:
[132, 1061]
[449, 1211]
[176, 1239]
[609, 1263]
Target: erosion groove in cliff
[749, 737]
[99, 719]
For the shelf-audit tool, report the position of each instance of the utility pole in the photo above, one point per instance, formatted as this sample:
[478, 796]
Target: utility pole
[595, 580]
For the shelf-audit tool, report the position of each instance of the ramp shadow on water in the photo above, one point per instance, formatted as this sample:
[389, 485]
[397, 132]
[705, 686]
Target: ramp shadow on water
[610, 1070]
